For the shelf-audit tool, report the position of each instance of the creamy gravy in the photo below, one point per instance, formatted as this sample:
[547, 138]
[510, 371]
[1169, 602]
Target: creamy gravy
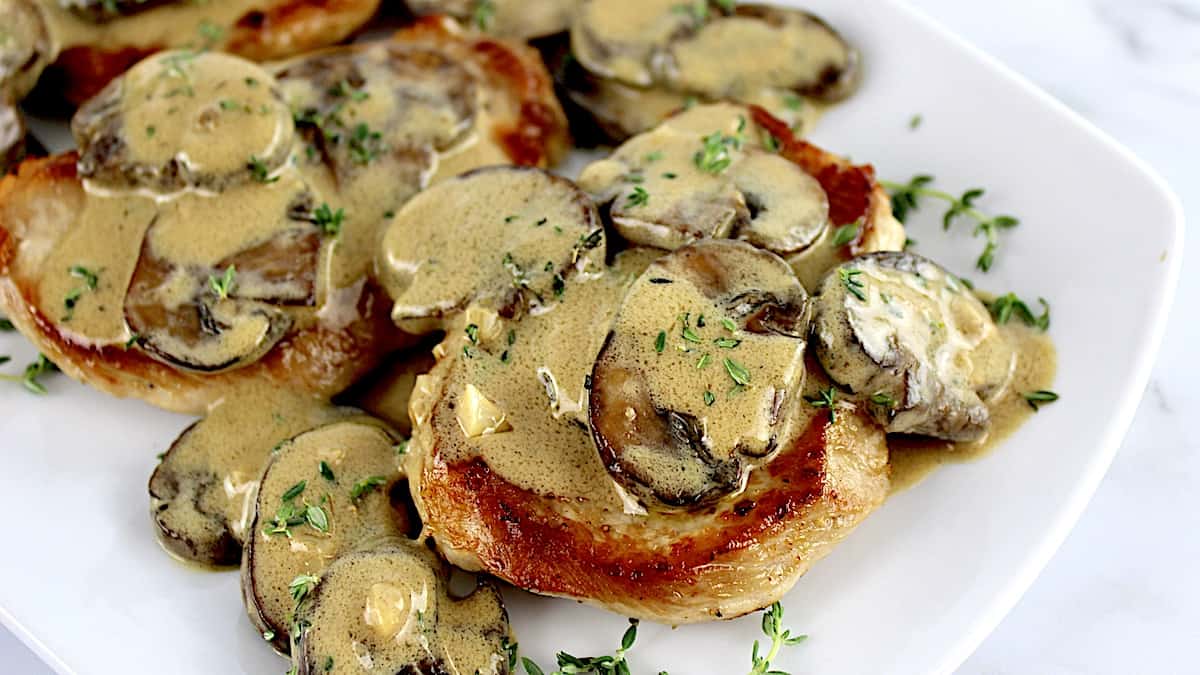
[174, 24]
[912, 458]
[708, 172]
[646, 59]
[533, 373]
[323, 494]
[203, 491]
[197, 155]
[390, 610]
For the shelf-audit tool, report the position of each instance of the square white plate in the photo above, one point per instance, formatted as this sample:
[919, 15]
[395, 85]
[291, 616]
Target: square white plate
[914, 590]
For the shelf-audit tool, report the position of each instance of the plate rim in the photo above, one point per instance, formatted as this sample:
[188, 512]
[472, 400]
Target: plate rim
[1117, 428]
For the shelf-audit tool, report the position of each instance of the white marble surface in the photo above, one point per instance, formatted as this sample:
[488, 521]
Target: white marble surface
[1122, 595]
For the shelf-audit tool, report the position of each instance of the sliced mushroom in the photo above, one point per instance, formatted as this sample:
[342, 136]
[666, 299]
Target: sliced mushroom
[205, 298]
[202, 492]
[705, 173]
[382, 104]
[520, 19]
[788, 208]
[704, 356]
[911, 341]
[185, 119]
[704, 49]
[323, 494]
[25, 51]
[391, 611]
[508, 238]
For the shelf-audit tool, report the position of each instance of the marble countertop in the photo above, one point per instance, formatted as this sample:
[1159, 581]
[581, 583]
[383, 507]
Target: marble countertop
[1121, 595]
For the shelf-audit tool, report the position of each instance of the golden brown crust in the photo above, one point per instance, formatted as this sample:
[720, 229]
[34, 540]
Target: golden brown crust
[320, 359]
[273, 30]
[534, 132]
[719, 562]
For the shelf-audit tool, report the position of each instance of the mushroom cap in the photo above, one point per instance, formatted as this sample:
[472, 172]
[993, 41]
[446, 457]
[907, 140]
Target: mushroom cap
[230, 125]
[202, 491]
[706, 50]
[705, 173]
[516, 235]
[324, 493]
[704, 359]
[390, 610]
[913, 342]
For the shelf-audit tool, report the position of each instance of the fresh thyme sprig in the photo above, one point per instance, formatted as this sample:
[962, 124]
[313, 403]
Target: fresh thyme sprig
[482, 15]
[1039, 397]
[224, 284]
[825, 399]
[772, 627]
[569, 664]
[906, 196]
[328, 220]
[1004, 307]
[30, 377]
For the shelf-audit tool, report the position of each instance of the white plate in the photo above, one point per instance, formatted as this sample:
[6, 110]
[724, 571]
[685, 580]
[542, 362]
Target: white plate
[914, 590]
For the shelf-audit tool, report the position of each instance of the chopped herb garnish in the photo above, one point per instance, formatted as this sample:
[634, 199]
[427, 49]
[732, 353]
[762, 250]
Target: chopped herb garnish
[302, 585]
[328, 220]
[30, 377]
[151, 130]
[846, 233]
[825, 399]
[883, 399]
[223, 284]
[661, 280]
[639, 197]
[259, 170]
[772, 627]
[472, 331]
[401, 448]
[482, 15]
[89, 277]
[660, 342]
[704, 361]
[729, 325]
[317, 518]
[726, 343]
[652, 156]
[210, 33]
[915, 121]
[691, 336]
[1008, 304]
[737, 372]
[714, 157]
[326, 472]
[854, 286]
[709, 397]
[6, 326]
[1036, 398]
[228, 104]
[365, 144]
[792, 101]
[294, 491]
[670, 175]
[366, 485]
